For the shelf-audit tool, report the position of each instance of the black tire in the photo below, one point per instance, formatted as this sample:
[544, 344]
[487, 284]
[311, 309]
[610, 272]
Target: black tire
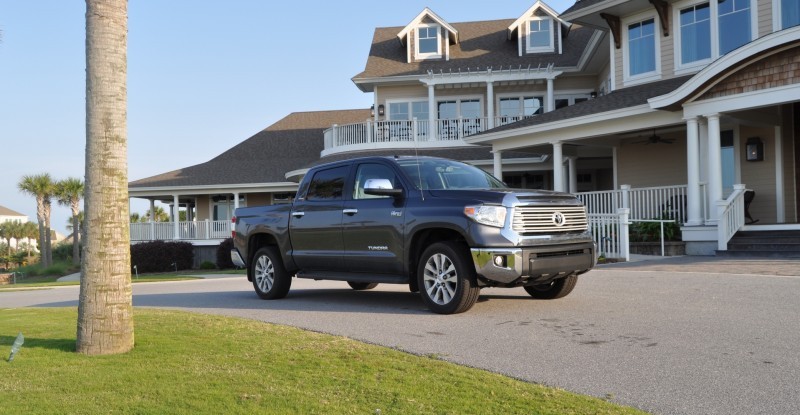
[360, 286]
[556, 289]
[446, 278]
[270, 279]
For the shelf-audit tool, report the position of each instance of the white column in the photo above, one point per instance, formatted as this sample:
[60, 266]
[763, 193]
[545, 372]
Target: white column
[573, 174]
[614, 162]
[558, 167]
[693, 215]
[431, 114]
[714, 164]
[550, 103]
[175, 217]
[236, 200]
[779, 181]
[152, 210]
[490, 104]
[498, 164]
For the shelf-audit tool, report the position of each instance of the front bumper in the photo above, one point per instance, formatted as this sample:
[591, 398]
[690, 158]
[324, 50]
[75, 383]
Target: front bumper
[236, 258]
[539, 264]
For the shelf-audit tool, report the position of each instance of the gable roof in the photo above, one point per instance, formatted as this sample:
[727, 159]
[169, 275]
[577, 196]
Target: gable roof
[482, 44]
[296, 140]
[525, 16]
[403, 35]
[4, 211]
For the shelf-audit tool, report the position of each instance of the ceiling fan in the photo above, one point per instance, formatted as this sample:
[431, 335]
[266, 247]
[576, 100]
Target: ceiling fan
[655, 139]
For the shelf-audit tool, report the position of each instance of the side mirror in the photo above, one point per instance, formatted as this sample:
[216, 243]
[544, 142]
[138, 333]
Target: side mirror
[381, 187]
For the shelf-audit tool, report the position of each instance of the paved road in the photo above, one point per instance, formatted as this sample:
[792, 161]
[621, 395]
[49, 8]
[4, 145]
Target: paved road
[666, 341]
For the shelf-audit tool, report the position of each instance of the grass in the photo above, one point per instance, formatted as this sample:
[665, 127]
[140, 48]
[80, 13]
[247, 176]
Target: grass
[190, 363]
[52, 281]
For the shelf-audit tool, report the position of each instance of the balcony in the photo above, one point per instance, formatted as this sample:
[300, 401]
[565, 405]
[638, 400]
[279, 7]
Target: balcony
[371, 135]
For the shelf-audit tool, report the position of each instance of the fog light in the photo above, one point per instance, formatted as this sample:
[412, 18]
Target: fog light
[500, 261]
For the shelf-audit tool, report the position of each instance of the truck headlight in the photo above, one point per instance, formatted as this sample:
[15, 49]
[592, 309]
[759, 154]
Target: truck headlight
[487, 215]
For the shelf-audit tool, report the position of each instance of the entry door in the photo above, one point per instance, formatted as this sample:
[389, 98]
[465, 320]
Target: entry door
[316, 222]
[373, 225]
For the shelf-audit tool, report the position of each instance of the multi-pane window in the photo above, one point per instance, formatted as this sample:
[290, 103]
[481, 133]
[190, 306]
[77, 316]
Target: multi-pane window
[734, 24]
[641, 47]
[695, 29]
[398, 110]
[539, 35]
[428, 40]
[790, 13]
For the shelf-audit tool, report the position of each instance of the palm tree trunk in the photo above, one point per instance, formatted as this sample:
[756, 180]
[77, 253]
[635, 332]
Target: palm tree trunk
[76, 243]
[48, 245]
[40, 218]
[105, 310]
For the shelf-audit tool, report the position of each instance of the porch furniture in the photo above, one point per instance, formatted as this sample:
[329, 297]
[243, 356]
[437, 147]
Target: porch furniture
[749, 195]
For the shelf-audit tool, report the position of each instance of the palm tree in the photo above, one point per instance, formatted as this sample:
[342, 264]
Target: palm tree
[160, 215]
[41, 186]
[70, 192]
[6, 234]
[105, 307]
[30, 231]
[14, 229]
[135, 217]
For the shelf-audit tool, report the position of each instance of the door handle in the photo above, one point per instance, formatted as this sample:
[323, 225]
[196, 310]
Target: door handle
[350, 212]
[298, 214]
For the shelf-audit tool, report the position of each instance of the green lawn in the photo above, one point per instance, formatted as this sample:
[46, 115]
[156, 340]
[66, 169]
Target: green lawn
[187, 363]
[51, 281]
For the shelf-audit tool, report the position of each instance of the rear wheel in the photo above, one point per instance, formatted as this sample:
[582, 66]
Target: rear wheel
[360, 286]
[446, 278]
[556, 289]
[270, 279]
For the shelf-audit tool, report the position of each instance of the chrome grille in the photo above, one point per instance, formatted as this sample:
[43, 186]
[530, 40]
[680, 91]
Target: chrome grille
[550, 219]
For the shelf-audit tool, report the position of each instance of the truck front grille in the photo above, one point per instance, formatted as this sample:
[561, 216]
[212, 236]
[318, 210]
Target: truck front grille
[552, 219]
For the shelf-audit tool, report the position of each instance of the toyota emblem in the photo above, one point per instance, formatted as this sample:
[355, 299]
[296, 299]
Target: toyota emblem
[559, 219]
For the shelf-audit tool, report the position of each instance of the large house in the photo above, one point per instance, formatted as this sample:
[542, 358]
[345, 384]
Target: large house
[647, 109]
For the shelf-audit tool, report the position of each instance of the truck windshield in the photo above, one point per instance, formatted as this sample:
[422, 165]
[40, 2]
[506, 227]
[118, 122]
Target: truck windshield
[447, 175]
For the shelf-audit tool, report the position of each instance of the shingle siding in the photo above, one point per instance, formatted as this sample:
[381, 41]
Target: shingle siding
[779, 70]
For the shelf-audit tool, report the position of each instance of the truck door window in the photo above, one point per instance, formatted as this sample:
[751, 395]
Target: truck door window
[372, 171]
[328, 184]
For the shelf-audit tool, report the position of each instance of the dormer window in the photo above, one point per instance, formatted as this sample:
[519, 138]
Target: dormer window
[428, 42]
[540, 35]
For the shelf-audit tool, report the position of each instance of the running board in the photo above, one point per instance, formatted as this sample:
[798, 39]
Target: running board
[353, 277]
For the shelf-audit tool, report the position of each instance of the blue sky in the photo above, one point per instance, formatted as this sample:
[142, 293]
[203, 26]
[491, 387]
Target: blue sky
[202, 76]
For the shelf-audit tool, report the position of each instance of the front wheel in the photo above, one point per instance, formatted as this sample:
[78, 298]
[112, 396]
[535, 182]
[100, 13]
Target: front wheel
[270, 279]
[446, 278]
[360, 286]
[556, 289]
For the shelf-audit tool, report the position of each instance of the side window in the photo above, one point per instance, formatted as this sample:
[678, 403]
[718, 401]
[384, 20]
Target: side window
[328, 184]
[372, 171]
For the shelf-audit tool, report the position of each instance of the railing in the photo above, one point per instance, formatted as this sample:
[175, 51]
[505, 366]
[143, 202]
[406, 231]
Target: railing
[415, 130]
[667, 202]
[196, 230]
[610, 233]
[731, 216]
[602, 202]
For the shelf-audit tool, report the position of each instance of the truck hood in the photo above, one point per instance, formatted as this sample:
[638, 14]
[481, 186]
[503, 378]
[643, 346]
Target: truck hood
[509, 197]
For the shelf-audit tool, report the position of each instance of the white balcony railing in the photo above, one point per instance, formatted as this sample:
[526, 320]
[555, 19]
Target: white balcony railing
[393, 133]
[198, 230]
[731, 216]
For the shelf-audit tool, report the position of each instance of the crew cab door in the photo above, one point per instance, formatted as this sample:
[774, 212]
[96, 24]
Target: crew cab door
[316, 222]
[373, 226]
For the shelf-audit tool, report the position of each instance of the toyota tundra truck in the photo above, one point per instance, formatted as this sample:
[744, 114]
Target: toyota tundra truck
[444, 228]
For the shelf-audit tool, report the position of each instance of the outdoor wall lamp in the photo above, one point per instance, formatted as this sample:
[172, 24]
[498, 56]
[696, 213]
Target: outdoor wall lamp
[381, 110]
[372, 110]
[754, 149]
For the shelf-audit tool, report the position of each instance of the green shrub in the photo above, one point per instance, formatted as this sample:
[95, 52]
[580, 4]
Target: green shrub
[651, 231]
[207, 265]
[162, 256]
[62, 252]
[224, 254]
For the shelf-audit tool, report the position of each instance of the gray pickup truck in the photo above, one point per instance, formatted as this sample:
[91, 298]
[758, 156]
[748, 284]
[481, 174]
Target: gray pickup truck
[444, 228]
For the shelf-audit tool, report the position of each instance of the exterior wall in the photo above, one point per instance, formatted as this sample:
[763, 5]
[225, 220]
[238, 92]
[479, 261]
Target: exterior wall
[648, 165]
[667, 50]
[203, 208]
[760, 175]
[764, 17]
[790, 168]
[618, 65]
[779, 70]
[259, 199]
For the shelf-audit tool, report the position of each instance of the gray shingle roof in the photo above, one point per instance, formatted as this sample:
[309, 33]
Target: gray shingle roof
[580, 4]
[459, 153]
[289, 144]
[619, 99]
[482, 44]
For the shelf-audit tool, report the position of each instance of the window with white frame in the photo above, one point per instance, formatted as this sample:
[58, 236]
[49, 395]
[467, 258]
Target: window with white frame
[428, 44]
[790, 13]
[408, 110]
[734, 24]
[695, 33]
[641, 47]
[708, 30]
[540, 35]
[513, 109]
[562, 101]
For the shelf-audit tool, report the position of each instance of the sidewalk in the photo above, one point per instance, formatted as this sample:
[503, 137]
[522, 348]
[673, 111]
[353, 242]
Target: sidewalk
[710, 264]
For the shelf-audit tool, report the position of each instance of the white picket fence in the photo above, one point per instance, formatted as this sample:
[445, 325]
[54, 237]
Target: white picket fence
[159, 231]
[610, 232]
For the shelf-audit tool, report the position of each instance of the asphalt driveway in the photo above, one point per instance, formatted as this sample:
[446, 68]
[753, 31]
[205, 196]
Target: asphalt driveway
[679, 339]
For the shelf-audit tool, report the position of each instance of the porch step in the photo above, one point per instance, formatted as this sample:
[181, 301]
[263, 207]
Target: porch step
[767, 244]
